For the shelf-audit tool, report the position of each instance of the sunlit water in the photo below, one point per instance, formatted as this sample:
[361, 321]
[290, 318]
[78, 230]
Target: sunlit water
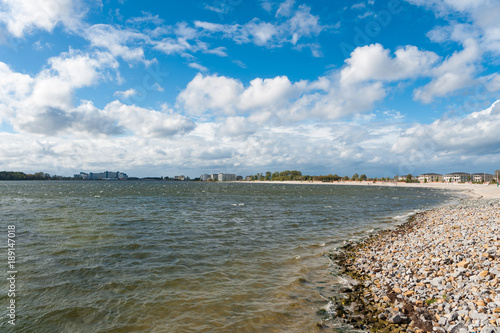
[183, 257]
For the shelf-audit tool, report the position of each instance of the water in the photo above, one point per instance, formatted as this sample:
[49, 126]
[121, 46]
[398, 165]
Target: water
[183, 257]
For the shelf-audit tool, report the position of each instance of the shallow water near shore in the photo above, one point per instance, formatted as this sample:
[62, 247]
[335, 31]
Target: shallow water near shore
[185, 257]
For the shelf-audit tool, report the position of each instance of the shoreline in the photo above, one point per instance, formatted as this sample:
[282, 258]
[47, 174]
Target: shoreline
[485, 191]
[437, 272]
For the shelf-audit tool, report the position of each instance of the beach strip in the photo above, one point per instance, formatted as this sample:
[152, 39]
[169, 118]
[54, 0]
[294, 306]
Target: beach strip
[439, 272]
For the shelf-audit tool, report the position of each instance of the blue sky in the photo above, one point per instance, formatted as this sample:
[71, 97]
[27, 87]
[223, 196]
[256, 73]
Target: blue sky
[164, 88]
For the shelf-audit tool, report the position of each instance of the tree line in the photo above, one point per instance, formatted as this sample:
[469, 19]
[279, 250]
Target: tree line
[297, 175]
[17, 175]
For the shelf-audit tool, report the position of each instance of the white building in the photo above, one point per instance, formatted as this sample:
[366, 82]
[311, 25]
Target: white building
[81, 175]
[430, 178]
[482, 177]
[205, 177]
[457, 177]
[226, 177]
[180, 177]
[405, 177]
[107, 175]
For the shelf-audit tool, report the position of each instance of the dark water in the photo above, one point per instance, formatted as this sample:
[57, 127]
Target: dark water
[183, 257]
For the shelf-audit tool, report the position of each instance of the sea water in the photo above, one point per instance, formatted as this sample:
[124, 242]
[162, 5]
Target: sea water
[157, 256]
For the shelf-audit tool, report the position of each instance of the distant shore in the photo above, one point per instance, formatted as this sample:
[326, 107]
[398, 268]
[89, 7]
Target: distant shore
[474, 190]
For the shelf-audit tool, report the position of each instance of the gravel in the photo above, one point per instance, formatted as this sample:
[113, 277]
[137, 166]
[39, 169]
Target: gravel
[439, 272]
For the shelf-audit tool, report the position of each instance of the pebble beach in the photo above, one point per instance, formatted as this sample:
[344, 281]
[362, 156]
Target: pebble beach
[438, 272]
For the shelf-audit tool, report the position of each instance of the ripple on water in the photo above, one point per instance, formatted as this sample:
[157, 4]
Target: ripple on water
[185, 257]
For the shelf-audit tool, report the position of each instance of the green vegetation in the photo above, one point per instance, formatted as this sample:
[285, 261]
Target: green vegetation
[298, 176]
[17, 175]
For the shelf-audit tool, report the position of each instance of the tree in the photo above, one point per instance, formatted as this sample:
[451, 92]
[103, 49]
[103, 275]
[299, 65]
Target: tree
[268, 175]
[355, 177]
[362, 177]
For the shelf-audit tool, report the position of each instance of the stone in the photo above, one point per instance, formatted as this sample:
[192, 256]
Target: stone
[398, 318]
[443, 321]
[455, 328]
[483, 274]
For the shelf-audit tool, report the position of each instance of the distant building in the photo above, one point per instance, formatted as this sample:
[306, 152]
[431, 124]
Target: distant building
[214, 176]
[482, 177]
[405, 177]
[179, 178]
[205, 177]
[108, 175]
[430, 177]
[81, 175]
[248, 178]
[239, 177]
[226, 177]
[457, 177]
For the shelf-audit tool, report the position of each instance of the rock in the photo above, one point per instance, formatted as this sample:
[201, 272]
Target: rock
[443, 321]
[453, 316]
[455, 328]
[398, 318]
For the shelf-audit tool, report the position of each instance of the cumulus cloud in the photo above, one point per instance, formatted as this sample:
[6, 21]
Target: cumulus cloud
[236, 127]
[374, 63]
[210, 93]
[24, 16]
[473, 135]
[456, 72]
[146, 122]
[43, 104]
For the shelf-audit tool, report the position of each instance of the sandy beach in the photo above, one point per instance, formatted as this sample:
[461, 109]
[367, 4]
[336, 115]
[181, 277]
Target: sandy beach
[484, 191]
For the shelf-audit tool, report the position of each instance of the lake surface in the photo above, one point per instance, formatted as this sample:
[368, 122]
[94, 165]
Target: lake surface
[184, 257]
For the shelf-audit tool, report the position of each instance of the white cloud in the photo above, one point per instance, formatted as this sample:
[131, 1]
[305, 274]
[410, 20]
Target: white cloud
[210, 93]
[278, 98]
[482, 17]
[126, 94]
[285, 8]
[291, 26]
[373, 62]
[266, 5]
[197, 66]
[118, 42]
[146, 122]
[220, 51]
[43, 104]
[239, 63]
[236, 127]
[454, 73]
[23, 16]
[269, 93]
[456, 138]
[359, 5]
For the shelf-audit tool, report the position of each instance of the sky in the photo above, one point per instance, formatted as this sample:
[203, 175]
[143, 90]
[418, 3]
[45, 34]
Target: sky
[164, 88]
